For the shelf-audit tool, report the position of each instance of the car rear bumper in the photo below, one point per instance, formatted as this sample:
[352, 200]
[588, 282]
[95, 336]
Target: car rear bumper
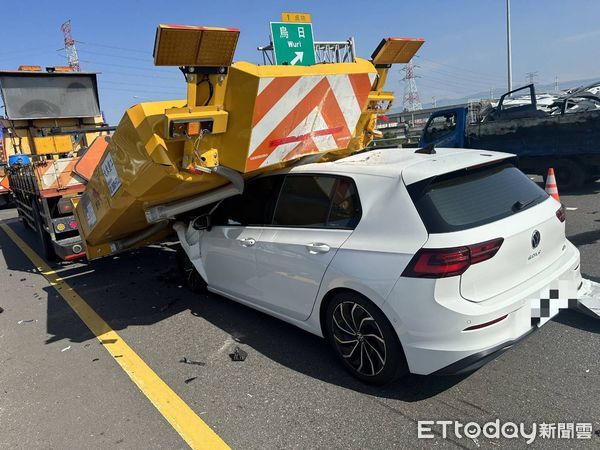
[433, 325]
[479, 359]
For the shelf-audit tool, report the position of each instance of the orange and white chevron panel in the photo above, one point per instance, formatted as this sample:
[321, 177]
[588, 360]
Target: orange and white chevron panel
[297, 116]
[58, 175]
[4, 185]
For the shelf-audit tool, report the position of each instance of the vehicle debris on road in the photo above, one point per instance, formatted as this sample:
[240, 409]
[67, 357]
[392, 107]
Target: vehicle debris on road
[185, 360]
[238, 355]
[589, 299]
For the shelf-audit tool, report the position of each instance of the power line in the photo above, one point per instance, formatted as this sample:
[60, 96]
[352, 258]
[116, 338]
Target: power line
[141, 90]
[143, 69]
[456, 83]
[137, 75]
[110, 82]
[116, 56]
[145, 52]
[473, 78]
[462, 69]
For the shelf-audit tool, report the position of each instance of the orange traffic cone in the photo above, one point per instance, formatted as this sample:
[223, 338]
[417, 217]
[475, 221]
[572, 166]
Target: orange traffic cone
[551, 187]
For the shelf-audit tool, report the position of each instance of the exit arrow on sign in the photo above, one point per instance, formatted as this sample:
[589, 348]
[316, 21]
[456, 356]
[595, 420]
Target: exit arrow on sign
[299, 57]
[293, 43]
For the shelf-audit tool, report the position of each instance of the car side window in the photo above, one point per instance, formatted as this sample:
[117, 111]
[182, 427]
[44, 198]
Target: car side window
[317, 201]
[254, 207]
[345, 209]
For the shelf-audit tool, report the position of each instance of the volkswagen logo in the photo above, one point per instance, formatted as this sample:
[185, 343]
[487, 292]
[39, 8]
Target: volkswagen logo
[535, 239]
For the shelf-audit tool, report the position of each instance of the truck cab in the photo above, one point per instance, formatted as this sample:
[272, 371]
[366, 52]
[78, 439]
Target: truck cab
[445, 129]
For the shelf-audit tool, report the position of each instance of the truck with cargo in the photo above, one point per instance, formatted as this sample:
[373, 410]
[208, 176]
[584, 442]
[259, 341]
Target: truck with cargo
[563, 135]
[54, 134]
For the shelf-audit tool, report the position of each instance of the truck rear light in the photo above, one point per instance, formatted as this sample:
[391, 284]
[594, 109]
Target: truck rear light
[450, 262]
[486, 324]
[561, 214]
[65, 206]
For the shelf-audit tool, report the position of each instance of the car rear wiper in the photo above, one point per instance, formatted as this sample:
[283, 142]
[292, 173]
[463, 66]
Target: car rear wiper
[519, 205]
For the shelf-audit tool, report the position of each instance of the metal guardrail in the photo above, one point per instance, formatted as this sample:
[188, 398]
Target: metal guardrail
[325, 52]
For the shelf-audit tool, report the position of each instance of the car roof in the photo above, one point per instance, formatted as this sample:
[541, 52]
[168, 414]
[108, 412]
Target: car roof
[413, 167]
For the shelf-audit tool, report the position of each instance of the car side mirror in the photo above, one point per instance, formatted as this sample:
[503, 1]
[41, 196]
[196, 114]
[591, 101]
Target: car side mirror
[203, 222]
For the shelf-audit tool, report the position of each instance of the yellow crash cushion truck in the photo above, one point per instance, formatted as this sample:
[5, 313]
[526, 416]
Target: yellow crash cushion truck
[169, 158]
[4, 184]
[53, 135]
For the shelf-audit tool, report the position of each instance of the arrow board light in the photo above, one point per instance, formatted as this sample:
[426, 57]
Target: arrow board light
[396, 50]
[181, 45]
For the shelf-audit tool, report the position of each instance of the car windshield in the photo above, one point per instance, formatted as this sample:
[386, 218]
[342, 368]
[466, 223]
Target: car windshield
[469, 198]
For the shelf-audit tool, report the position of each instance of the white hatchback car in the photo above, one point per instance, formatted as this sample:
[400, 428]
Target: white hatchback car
[405, 261]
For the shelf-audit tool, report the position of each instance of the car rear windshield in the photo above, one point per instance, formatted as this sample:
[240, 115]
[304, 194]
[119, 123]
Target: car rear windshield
[473, 197]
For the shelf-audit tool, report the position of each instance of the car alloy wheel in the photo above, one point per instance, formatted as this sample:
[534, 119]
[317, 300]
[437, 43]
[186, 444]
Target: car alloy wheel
[363, 339]
[359, 338]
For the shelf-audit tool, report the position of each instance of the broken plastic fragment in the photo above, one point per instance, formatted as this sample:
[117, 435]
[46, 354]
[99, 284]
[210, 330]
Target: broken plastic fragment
[190, 361]
[238, 354]
[589, 298]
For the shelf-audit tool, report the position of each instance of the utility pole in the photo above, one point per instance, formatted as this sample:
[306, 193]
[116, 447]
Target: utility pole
[434, 101]
[72, 57]
[508, 45]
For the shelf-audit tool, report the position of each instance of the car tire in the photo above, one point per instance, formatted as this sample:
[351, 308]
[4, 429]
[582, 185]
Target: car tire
[364, 340]
[44, 239]
[192, 278]
[570, 175]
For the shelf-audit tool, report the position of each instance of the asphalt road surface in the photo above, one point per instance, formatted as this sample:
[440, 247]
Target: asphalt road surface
[61, 389]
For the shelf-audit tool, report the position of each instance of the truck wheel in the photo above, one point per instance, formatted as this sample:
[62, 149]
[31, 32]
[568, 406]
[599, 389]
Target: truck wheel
[44, 239]
[569, 174]
[192, 278]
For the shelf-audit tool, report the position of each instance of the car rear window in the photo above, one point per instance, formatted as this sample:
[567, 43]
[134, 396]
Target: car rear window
[473, 197]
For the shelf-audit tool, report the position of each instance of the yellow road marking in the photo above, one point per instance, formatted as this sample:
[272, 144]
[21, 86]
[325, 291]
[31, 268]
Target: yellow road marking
[191, 428]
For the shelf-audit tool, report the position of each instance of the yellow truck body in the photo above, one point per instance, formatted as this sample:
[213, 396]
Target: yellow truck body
[244, 118]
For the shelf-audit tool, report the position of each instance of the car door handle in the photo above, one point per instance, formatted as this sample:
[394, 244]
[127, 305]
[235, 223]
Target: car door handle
[317, 247]
[247, 242]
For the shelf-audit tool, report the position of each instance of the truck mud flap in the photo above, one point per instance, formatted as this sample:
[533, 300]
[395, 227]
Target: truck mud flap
[589, 299]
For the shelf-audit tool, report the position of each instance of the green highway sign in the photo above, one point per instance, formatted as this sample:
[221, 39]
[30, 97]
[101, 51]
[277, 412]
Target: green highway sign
[293, 43]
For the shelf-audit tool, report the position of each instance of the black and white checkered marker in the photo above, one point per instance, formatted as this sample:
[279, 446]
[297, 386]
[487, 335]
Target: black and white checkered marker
[563, 296]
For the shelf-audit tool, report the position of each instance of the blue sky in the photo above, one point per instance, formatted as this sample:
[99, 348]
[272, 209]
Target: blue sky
[464, 51]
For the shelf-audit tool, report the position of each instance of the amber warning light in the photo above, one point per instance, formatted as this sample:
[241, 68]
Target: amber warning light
[396, 50]
[181, 45]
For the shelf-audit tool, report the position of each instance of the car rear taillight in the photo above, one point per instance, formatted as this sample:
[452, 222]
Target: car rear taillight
[450, 262]
[561, 214]
[65, 206]
[484, 250]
